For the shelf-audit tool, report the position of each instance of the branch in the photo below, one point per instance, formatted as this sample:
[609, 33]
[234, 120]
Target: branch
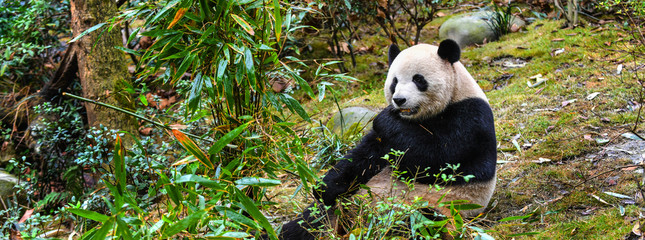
[158, 124]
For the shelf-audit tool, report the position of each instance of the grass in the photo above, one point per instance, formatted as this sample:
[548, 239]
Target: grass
[555, 125]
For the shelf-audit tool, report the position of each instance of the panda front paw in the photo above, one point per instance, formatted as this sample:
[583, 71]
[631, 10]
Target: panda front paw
[326, 194]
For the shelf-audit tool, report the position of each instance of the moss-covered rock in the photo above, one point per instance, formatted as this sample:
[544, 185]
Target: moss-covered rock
[351, 120]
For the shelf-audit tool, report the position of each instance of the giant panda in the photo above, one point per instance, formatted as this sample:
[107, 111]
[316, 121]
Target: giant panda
[437, 114]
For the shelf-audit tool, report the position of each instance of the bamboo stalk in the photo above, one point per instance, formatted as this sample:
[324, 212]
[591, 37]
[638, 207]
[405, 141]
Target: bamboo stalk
[158, 124]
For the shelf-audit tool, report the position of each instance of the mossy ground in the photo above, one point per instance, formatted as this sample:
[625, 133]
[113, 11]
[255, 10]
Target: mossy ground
[546, 133]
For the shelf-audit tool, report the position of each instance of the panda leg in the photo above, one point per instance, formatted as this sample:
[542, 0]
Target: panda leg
[314, 217]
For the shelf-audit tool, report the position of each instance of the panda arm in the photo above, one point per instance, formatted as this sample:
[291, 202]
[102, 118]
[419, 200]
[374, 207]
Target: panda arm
[357, 167]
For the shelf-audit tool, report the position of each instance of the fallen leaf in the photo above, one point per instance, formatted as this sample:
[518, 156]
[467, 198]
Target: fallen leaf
[588, 137]
[602, 140]
[631, 136]
[146, 131]
[558, 52]
[538, 80]
[26, 216]
[557, 39]
[618, 195]
[177, 126]
[608, 44]
[637, 229]
[567, 102]
[619, 69]
[600, 199]
[629, 168]
[592, 96]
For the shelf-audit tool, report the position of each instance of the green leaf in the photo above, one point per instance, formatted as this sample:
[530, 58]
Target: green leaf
[162, 13]
[252, 210]
[237, 217]
[103, 231]
[188, 61]
[143, 100]
[293, 105]
[127, 50]
[250, 70]
[462, 207]
[195, 93]
[199, 179]
[512, 218]
[227, 138]
[119, 165]
[204, 10]
[89, 214]
[89, 30]
[257, 181]
[243, 23]
[278, 19]
[184, 223]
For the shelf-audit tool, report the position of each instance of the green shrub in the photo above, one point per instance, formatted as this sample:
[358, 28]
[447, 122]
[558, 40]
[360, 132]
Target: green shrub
[28, 36]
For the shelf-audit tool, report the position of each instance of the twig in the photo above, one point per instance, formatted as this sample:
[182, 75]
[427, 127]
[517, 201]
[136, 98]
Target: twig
[608, 171]
[158, 124]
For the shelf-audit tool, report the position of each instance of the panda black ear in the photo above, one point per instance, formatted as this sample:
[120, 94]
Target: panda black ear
[449, 50]
[392, 53]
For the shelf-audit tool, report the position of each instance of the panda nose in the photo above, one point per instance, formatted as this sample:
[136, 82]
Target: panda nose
[399, 101]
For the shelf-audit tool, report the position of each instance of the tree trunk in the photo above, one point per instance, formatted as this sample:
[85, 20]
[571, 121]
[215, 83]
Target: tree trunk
[102, 69]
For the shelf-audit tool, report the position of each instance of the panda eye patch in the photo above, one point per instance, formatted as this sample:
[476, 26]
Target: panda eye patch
[393, 86]
[421, 82]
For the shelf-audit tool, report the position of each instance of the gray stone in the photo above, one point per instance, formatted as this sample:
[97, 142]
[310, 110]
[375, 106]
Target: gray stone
[472, 28]
[353, 121]
[7, 182]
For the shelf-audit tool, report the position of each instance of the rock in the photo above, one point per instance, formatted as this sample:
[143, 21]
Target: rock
[473, 28]
[7, 182]
[353, 121]
[7, 152]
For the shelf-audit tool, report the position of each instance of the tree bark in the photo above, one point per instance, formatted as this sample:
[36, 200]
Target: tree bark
[102, 68]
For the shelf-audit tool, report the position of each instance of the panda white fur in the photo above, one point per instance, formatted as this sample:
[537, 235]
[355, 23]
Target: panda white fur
[437, 115]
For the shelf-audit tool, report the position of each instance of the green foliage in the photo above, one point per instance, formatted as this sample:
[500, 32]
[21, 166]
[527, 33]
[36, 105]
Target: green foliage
[28, 33]
[633, 8]
[382, 217]
[221, 56]
[501, 20]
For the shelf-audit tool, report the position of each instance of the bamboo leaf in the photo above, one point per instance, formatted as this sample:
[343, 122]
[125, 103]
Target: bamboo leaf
[162, 13]
[252, 210]
[244, 24]
[192, 148]
[257, 181]
[184, 223]
[89, 30]
[250, 70]
[184, 66]
[227, 138]
[294, 106]
[180, 13]
[103, 231]
[506, 219]
[119, 165]
[204, 10]
[192, 178]
[278, 19]
[89, 214]
[195, 93]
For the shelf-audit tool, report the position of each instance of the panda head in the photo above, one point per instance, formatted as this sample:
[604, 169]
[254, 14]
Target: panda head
[421, 79]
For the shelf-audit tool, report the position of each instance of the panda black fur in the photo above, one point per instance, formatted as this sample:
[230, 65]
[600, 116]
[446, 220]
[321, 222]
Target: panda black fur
[437, 115]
